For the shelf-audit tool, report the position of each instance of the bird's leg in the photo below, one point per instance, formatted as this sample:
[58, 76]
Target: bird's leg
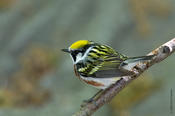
[92, 98]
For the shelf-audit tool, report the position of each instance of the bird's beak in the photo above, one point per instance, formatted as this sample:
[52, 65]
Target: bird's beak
[65, 50]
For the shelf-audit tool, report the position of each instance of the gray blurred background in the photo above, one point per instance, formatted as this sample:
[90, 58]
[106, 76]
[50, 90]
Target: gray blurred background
[37, 79]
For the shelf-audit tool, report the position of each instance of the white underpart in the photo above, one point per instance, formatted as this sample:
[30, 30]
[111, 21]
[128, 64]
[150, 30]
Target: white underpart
[109, 81]
[105, 81]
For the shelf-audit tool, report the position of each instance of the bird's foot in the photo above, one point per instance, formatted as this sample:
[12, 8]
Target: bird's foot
[85, 102]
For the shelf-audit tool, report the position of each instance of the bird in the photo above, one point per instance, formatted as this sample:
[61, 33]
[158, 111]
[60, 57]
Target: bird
[99, 65]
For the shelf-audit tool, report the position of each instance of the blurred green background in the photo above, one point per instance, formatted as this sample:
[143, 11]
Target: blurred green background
[37, 79]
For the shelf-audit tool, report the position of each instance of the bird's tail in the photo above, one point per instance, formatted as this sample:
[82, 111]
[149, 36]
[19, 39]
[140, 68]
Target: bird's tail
[139, 58]
[132, 61]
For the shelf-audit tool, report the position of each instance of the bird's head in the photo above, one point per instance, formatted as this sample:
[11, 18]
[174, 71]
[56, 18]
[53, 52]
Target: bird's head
[79, 49]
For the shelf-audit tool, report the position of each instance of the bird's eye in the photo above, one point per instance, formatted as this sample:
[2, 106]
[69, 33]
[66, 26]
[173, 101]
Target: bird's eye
[76, 51]
[80, 50]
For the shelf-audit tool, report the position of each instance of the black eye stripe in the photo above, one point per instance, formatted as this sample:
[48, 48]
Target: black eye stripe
[86, 47]
[74, 53]
[81, 50]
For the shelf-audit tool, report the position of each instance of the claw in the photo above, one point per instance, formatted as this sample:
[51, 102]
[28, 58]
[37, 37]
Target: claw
[85, 102]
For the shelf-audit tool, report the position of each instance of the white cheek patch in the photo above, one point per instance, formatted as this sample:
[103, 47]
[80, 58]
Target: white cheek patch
[78, 57]
[81, 57]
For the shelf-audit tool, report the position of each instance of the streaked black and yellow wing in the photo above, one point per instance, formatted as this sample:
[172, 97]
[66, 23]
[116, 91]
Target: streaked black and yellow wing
[107, 63]
[110, 68]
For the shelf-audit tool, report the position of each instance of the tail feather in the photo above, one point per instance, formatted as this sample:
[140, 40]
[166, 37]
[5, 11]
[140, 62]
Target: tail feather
[129, 63]
[139, 58]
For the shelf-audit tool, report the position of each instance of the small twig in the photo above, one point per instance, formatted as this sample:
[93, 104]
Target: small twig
[160, 53]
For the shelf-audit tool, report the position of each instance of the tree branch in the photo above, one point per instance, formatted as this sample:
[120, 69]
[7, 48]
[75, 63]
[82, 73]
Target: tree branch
[160, 53]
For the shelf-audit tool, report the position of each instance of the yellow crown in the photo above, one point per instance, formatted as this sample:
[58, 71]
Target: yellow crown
[79, 44]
